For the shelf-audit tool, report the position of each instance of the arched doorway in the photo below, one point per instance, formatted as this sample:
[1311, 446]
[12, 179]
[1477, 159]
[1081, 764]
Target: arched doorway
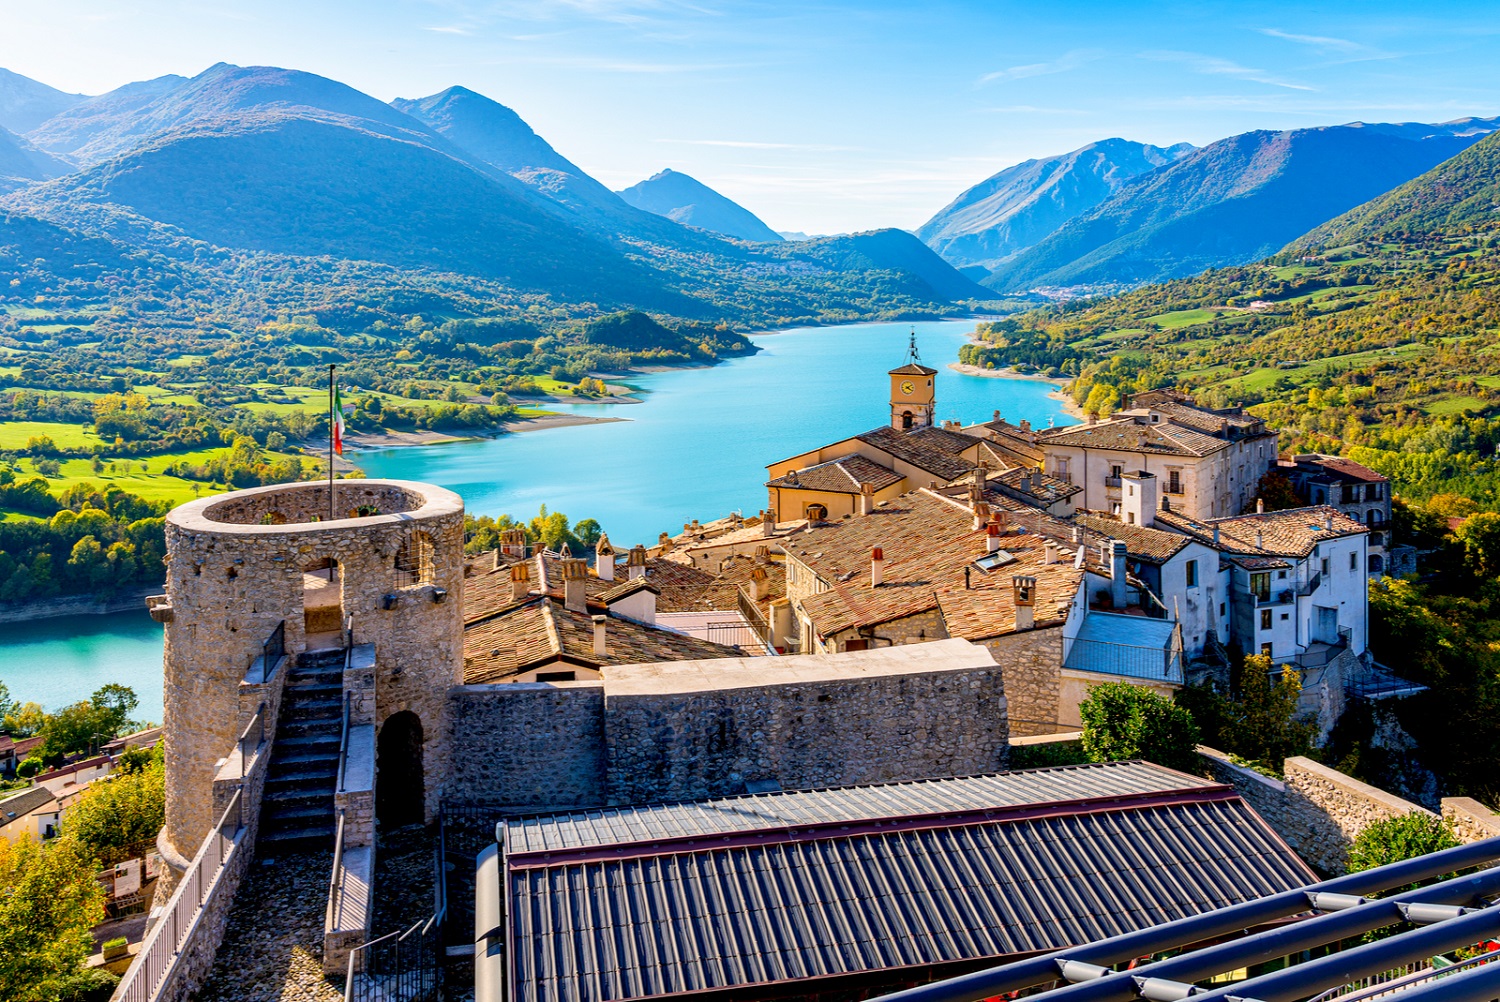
[399, 791]
[907, 420]
[323, 604]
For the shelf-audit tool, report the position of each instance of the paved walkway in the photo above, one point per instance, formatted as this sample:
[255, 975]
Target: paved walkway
[273, 947]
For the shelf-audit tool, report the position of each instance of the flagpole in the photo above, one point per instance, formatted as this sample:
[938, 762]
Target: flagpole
[331, 418]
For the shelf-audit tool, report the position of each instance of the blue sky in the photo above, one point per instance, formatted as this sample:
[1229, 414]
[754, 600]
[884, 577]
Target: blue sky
[821, 117]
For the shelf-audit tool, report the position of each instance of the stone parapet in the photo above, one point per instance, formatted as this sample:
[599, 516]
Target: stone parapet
[355, 797]
[531, 745]
[1470, 820]
[346, 923]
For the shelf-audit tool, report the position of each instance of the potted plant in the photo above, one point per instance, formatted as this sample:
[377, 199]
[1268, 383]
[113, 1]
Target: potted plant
[116, 948]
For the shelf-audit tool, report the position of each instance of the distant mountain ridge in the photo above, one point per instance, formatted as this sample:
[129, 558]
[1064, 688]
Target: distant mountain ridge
[1010, 211]
[21, 162]
[1231, 202]
[1460, 193]
[26, 103]
[686, 200]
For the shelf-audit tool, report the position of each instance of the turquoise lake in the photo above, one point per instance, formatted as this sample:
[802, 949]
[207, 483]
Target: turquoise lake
[695, 447]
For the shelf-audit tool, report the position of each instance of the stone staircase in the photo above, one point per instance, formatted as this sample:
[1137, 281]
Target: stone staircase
[297, 812]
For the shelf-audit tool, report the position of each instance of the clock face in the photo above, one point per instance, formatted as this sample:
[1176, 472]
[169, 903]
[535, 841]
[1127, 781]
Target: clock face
[907, 386]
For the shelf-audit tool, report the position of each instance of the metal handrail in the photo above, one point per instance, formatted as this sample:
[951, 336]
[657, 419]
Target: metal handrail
[1427, 973]
[344, 741]
[271, 651]
[336, 878]
[163, 945]
[753, 616]
[258, 724]
[408, 980]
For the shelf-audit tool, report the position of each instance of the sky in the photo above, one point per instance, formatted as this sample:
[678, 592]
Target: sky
[820, 117]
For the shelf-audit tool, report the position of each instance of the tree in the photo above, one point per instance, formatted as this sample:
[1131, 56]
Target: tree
[120, 811]
[49, 900]
[1277, 493]
[113, 704]
[1405, 836]
[24, 719]
[1480, 536]
[1124, 721]
[1263, 714]
[6, 703]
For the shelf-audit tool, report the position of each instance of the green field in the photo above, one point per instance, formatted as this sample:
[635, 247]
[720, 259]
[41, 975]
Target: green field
[13, 434]
[1182, 318]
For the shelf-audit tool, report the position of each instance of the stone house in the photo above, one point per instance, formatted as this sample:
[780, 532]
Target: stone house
[1357, 491]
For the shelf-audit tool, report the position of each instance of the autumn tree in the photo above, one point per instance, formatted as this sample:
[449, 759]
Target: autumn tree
[49, 901]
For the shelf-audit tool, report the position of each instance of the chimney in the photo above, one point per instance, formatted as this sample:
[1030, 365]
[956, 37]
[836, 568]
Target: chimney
[600, 645]
[981, 475]
[1260, 506]
[575, 572]
[992, 537]
[1050, 551]
[997, 417]
[513, 542]
[1216, 536]
[877, 567]
[635, 564]
[1166, 502]
[495, 562]
[866, 498]
[1117, 574]
[1077, 533]
[1328, 522]
[759, 582]
[1024, 589]
[665, 542]
[520, 580]
[981, 515]
[1260, 540]
[604, 559]
[1138, 505]
[767, 523]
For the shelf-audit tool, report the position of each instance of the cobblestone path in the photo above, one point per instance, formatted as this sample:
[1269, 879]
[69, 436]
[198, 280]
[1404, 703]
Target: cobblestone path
[273, 946]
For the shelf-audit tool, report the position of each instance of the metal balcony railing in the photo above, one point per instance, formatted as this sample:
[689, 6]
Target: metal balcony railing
[1157, 664]
[1112, 482]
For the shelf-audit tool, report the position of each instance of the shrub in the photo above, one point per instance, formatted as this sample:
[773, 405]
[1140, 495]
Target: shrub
[1124, 721]
[29, 767]
[1047, 755]
[1404, 837]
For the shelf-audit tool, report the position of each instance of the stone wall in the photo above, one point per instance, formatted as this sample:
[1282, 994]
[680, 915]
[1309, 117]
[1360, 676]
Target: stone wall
[685, 745]
[1470, 820]
[527, 745]
[922, 627]
[1031, 663]
[292, 504]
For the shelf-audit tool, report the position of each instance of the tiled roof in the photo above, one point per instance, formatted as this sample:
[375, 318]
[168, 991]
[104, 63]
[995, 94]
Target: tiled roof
[629, 587]
[840, 476]
[797, 893]
[543, 632]
[1340, 469]
[934, 450]
[927, 540]
[1044, 488]
[1290, 533]
[1128, 435]
[913, 369]
[17, 806]
[1151, 545]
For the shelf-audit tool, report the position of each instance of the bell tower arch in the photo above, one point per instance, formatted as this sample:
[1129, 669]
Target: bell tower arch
[913, 395]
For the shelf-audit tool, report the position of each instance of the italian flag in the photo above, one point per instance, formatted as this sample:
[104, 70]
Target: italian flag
[336, 421]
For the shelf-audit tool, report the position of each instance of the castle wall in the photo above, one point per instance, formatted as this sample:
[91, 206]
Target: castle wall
[1031, 661]
[531, 745]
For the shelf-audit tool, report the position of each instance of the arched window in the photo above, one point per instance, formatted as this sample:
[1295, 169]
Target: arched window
[1374, 517]
[414, 561]
[1377, 565]
[817, 513]
[907, 420]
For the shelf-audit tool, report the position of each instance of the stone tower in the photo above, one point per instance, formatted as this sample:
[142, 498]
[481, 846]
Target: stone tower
[388, 564]
[913, 397]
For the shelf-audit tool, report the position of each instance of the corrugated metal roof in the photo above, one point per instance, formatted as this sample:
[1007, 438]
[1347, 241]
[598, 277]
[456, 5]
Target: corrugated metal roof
[832, 905]
[622, 825]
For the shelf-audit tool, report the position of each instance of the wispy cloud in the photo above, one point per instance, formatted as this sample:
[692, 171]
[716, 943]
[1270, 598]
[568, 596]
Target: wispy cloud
[1062, 64]
[746, 144]
[1031, 109]
[448, 29]
[1215, 66]
[1324, 42]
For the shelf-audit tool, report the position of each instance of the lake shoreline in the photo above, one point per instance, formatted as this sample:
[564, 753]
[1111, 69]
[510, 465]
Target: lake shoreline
[1060, 394]
[79, 605]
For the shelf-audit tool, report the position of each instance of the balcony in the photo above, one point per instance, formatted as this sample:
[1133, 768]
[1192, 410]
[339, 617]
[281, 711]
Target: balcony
[1112, 482]
[1310, 585]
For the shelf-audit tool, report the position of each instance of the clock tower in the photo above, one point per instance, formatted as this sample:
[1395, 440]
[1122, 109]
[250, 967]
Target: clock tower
[913, 399]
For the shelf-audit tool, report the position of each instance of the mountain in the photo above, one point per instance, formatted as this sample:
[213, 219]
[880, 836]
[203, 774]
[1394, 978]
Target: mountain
[107, 120]
[222, 91]
[25, 103]
[1012, 210]
[287, 184]
[690, 202]
[1457, 194]
[21, 162]
[498, 136]
[1231, 202]
[888, 250]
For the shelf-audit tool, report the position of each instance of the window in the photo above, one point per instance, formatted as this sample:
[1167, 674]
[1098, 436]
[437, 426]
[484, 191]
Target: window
[1192, 573]
[1285, 616]
[1116, 470]
[1060, 469]
[1325, 567]
[1372, 492]
[1114, 508]
[1265, 648]
[556, 676]
[1376, 564]
[1281, 575]
[1174, 481]
[414, 561]
[1353, 561]
[1265, 619]
[1221, 608]
[1260, 585]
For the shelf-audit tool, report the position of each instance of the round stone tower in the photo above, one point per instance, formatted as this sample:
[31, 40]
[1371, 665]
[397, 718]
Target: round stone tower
[386, 559]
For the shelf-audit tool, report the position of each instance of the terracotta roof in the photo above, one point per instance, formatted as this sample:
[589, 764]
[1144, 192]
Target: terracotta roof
[927, 540]
[934, 450]
[1338, 468]
[1129, 435]
[626, 588]
[542, 632]
[1154, 546]
[913, 369]
[15, 807]
[1290, 533]
[1044, 489]
[1181, 409]
[840, 476]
